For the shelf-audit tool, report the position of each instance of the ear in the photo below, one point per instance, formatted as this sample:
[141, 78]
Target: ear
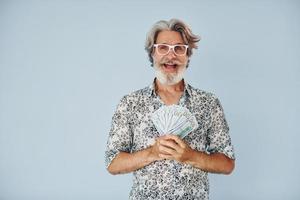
[152, 53]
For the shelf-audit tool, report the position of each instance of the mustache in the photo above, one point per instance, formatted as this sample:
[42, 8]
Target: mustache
[173, 61]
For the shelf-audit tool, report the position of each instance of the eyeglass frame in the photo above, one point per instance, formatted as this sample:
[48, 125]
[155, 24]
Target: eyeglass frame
[171, 47]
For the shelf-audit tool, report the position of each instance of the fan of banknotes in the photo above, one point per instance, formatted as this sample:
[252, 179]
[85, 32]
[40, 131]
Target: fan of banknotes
[175, 120]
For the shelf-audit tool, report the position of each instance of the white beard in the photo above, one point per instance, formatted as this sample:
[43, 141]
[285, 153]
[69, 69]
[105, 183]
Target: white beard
[169, 78]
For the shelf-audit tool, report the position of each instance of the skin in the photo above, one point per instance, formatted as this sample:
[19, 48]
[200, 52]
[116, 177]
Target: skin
[170, 94]
[170, 146]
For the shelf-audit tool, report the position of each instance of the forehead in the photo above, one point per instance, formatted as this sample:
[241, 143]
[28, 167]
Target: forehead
[169, 37]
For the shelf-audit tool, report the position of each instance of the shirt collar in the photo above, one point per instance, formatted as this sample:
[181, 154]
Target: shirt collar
[151, 88]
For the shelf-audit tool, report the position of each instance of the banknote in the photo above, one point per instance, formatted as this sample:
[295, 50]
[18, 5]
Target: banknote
[174, 119]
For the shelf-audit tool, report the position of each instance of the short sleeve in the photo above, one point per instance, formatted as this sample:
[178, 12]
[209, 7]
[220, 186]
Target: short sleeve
[120, 135]
[219, 140]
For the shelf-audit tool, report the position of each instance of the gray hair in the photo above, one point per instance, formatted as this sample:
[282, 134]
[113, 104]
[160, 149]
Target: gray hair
[172, 25]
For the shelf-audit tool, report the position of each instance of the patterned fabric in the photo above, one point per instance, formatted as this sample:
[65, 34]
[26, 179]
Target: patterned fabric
[132, 130]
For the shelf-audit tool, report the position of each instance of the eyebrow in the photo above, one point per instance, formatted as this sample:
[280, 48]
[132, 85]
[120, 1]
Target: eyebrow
[173, 44]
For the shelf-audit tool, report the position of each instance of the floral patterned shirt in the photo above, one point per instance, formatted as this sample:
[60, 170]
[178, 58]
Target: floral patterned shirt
[132, 130]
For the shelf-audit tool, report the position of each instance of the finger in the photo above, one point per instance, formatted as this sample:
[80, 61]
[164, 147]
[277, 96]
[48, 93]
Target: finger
[177, 139]
[157, 141]
[165, 137]
[170, 143]
[166, 150]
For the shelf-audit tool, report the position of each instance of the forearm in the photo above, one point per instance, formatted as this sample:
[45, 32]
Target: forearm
[214, 163]
[128, 162]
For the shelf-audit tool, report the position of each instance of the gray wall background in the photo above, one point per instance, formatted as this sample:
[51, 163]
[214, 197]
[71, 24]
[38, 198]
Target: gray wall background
[64, 65]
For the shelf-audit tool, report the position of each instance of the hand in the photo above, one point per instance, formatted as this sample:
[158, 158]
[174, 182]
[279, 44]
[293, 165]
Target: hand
[173, 147]
[154, 152]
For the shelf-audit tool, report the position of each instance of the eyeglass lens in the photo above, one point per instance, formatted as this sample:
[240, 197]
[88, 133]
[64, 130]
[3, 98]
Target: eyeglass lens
[178, 49]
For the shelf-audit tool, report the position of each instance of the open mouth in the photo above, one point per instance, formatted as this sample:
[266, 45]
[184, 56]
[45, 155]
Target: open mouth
[170, 66]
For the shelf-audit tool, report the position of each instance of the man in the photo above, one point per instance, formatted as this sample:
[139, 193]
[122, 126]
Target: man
[169, 167]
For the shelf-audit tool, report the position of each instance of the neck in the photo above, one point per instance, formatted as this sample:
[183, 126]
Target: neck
[178, 87]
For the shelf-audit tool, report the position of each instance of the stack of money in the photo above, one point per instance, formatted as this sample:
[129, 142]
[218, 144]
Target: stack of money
[175, 120]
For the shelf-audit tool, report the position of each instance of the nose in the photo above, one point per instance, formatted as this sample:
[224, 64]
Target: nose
[171, 54]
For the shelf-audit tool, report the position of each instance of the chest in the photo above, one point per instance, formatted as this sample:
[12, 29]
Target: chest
[170, 98]
[145, 133]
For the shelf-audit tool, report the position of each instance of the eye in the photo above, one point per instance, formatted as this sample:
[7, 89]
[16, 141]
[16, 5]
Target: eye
[180, 49]
[163, 47]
